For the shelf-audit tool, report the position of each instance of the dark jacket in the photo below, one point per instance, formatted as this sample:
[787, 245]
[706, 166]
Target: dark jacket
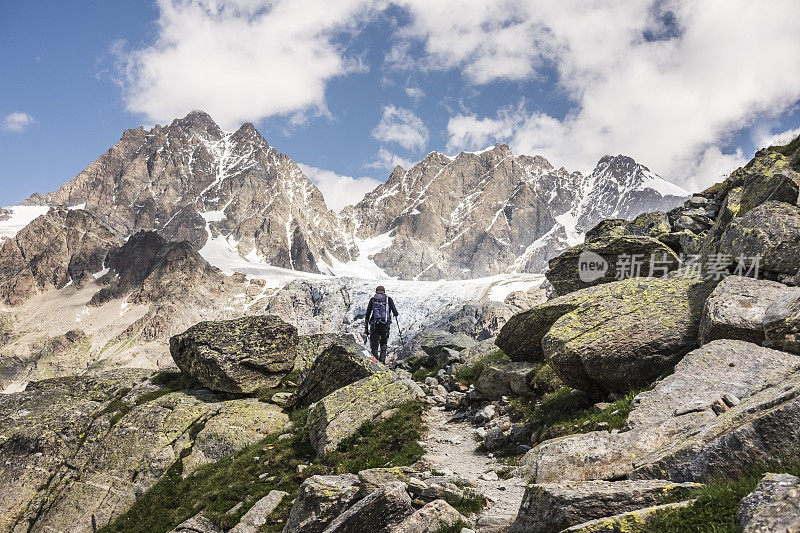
[392, 308]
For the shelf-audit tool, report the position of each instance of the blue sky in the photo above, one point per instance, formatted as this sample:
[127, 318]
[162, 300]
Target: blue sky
[348, 89]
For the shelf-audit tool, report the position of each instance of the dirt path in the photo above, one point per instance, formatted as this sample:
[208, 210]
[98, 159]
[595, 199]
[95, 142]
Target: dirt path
[451, 446]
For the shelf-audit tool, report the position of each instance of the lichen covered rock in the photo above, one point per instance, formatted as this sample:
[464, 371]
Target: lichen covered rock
[340, 364]
[505, 379]
[556, 506]
[774, 505]
[342, 412]
[320, 500]
[624, 335]
[770, 232]
[239, 355]
[565, 270]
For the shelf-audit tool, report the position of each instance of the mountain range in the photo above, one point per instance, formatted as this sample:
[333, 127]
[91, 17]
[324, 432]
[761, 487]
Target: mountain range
[236, 198]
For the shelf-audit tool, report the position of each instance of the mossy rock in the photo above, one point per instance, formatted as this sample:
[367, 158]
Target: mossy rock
[626, 335]
[771, 232]
[565, 274]
[341, 413]
[341, 364]
[239, 355]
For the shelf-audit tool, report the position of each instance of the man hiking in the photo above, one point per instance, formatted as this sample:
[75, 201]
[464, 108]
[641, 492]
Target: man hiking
[376, 323]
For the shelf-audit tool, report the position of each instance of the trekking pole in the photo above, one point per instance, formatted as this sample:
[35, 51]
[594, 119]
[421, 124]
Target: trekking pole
[400, 332]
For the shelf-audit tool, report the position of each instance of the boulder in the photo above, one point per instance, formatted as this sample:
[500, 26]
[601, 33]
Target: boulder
[473, 354]
[320, 499]
[309, 347]
[257, 515]
[553, 507]
[341, 413]
[737, 307]
[679, 406]
[380, 511]
[653, 224]
[431, 517]
[623, 335]
[568, 271]
[774, 505]
[197, 524]
[339, 365]
[770, 231]
[434, 348]
[782, 323]
[236, 424]
[237, 356]
[505, 379]
[627, 522]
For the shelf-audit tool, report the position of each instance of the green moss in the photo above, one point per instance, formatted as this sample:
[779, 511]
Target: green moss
[467, 374]
[470, 503]
[717, 502]
[271, 464]
[423, 372]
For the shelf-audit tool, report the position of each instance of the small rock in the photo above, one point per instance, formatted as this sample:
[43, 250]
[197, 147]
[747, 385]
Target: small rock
[489, 476]
[301, 468]
[485, 414]
[257, 515]
[280, 398]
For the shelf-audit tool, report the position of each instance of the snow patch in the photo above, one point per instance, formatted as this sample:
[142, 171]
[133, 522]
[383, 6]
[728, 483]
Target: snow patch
[363, 266]
[21, 216]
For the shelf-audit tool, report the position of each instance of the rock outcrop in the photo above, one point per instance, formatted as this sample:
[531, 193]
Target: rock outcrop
[61, 247]
[341, 413]
[773, 506]
[718, 391]
[78, 451]
[379, 511]
[239, 355]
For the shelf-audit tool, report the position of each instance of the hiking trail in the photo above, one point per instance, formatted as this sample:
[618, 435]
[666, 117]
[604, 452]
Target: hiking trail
[451, 445]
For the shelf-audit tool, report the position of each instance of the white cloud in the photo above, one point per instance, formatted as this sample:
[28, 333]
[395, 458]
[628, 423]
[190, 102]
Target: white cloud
[402, 126]
[17, 121]
[415, 93]
[386, 160]
[766, 138]
[241, 60]
[339, 191]
[718, 68]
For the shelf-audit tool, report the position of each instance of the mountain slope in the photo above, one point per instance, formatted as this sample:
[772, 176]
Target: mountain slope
[240, 202]
[481, 213]
[193, 181]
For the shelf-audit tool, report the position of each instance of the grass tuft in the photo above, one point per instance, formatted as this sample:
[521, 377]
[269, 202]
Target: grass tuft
[717, 502]
[467, 374]
[566, 411]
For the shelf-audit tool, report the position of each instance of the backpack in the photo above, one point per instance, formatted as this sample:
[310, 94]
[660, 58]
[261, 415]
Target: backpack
[380, 309]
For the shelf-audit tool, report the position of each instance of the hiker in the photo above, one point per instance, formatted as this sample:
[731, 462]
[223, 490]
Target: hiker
[376, 323]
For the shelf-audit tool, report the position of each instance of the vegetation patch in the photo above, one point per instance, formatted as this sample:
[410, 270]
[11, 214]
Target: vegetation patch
[423, 372]
[271, 464]
[717, 502]
[567, 411]
[467, 374]
[455, 528]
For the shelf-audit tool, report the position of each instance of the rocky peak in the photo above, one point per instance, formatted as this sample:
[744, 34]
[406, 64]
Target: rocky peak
[225, 192]
[60, 247]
